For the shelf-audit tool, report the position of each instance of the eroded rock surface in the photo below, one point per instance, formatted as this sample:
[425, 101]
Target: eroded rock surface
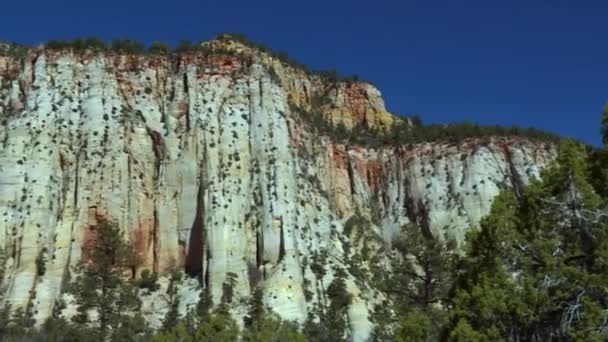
[204, 166]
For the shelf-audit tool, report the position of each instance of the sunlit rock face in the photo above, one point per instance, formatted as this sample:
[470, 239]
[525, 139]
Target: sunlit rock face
[203, 164]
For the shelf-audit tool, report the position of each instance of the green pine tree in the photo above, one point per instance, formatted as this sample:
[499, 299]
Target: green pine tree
[101, 285]
[536, 267]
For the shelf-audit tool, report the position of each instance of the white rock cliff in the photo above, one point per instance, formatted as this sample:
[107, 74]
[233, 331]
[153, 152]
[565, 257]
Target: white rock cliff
[205, 167]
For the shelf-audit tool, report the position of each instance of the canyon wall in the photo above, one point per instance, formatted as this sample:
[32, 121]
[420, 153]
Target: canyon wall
[205, 167]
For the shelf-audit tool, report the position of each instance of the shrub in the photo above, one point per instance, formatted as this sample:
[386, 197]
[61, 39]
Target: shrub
[159, 48]
[329, 75]
[58, 44]
[41, 262]
[184, 46]
[78, 44]
[128, 46]
[148, 280]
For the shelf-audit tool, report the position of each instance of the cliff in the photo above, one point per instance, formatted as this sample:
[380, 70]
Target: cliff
[206, 167]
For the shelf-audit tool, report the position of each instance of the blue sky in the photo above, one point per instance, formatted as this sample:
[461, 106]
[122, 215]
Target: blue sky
[541, 63]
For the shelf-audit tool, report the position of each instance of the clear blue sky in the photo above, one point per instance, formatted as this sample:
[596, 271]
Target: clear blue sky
[541, 63]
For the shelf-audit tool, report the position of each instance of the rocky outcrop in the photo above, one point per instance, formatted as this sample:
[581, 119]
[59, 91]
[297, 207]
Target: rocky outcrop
[204, 166]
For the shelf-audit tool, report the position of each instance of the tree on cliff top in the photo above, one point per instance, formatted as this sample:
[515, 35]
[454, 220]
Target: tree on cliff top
[101, 285]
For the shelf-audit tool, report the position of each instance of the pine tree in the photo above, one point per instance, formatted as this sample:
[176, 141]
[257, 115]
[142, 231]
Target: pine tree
[340, 299]
[418, 283]
[415, 326]
[172, 299]
[257, 311]
[101, 286]
[272, 329]
[536, 268]
[422, 268]
[218, 326]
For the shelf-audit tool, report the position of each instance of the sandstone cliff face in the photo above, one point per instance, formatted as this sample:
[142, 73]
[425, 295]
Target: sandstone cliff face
[204, 166]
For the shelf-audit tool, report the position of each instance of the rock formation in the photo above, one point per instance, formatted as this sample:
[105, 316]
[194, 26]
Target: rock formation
[205, 166]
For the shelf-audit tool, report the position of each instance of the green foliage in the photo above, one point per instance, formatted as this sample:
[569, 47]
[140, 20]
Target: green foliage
[331, 76]
[14, 325]
[409, 130]
[172, 316]
[184, 46]
[159, 48]
[41, 262]
[416, 121]
[536, 268]
[332, 323]
[22, 318]
[217, 327]
[78, 44]
[422, 269]
[415, 326]
[58, 44]
[60, 330]
[262, 326]
[124, 46]
[272, 329]
[405, 133]
[148, 281]
[256, 311]
[418, 287]
[53, 330]
[179, 333]
[12, 49]
[127, 46]
[100, 284]
[464, 332]
[205, 303]
[214, 327]
[604, 126]
[318, 264]
[228, 288]
[384, 320]
[335, 316]
[133, 328]
[337, 293]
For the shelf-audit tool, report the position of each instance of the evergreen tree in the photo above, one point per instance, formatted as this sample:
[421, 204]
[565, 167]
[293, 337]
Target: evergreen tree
[159, 48]
[218, 326]
[172, 299]
[415, 326]
[205, 303]
[418, 285]
[101, 285]
[536, 268]
[422, 268]
[262, 326]
[128, 46]
[335, 316]
[257, 311]
[178, 333]
[604, 127]
[184, 46]
[273, 329]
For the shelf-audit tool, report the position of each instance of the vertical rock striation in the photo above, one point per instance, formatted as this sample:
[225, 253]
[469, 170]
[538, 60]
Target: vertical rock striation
[205, 167]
